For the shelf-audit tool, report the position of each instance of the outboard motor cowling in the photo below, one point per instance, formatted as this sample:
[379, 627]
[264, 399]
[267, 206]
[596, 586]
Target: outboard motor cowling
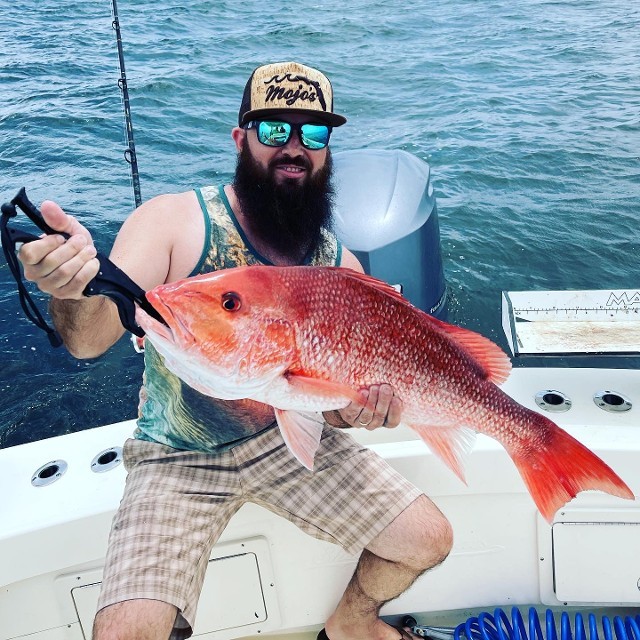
[385, 212]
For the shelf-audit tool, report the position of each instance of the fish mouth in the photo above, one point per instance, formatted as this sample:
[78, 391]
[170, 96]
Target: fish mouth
[154, 327]
[170, 329]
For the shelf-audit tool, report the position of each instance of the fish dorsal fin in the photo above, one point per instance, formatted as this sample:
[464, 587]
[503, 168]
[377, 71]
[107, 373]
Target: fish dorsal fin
[385, 287]
[493, 360]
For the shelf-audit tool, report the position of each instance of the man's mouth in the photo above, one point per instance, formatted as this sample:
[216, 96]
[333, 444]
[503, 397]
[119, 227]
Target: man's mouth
[290, 167]
[291, 170]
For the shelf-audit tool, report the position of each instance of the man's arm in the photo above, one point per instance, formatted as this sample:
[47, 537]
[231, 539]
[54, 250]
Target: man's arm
[88, 327]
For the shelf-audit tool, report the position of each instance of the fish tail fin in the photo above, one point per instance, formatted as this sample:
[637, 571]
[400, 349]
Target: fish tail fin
[561, 468]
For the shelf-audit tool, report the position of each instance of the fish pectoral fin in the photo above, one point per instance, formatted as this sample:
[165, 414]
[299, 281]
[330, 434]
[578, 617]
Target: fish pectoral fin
[301, 433]
[321, 388]
[451, 443]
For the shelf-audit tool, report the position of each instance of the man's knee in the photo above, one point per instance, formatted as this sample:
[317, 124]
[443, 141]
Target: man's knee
[441, 539]
[432, 534]
[419, 538]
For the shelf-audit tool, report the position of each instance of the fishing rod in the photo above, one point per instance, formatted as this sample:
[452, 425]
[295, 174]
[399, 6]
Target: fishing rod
[130, 152]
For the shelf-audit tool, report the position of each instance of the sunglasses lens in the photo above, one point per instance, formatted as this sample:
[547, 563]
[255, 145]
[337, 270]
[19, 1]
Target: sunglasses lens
[314, 136]
[274, 134]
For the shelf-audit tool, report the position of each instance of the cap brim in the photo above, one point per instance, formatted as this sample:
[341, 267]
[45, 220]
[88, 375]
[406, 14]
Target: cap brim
[332, 119]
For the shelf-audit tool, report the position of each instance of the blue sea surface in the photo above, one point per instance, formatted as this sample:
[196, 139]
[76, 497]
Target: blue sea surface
[528, 114]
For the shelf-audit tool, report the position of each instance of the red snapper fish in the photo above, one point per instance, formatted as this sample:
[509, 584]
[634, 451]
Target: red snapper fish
[307, 339]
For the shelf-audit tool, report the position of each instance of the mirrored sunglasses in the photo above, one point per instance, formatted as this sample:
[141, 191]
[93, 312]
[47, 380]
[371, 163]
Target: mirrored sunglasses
[273, 133]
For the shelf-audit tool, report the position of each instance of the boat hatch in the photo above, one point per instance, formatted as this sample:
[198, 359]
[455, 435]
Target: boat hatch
[238, 596]
[590, 556]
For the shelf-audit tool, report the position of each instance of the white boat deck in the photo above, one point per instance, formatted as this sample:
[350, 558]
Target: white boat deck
[266, 577]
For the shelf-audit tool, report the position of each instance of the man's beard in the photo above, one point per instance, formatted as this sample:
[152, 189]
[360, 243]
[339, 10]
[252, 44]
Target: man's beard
[288, 216]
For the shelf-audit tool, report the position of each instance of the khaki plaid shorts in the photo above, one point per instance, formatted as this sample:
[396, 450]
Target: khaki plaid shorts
[176, 505]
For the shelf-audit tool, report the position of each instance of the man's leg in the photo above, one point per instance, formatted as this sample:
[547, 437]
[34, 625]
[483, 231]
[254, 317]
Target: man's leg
[175, 506]
[135, 620]
[417, 540]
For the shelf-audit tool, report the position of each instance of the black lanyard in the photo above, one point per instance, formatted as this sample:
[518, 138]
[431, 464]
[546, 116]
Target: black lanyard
[110, 281]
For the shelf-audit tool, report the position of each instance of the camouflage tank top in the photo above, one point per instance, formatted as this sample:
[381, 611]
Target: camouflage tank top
[173, 413]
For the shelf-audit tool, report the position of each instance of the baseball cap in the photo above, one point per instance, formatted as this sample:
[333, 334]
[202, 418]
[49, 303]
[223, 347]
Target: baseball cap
[288, 86]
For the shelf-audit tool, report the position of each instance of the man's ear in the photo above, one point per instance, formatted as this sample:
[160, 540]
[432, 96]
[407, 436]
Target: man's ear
[239, 136]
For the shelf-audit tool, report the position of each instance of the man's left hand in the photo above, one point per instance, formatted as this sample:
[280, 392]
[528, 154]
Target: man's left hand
[379, 407]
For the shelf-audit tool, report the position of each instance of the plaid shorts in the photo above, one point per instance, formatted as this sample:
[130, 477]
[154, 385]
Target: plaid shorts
[176, 505]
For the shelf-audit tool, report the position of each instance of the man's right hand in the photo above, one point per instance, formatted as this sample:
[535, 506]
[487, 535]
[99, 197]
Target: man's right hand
[62, 268]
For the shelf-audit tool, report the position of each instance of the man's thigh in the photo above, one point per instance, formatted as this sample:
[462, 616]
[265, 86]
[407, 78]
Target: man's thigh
[351, 495]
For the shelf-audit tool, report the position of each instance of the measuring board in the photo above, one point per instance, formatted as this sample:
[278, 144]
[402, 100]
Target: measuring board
[559, 322]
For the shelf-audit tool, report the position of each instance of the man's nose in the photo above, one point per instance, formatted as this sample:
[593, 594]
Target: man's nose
[294, 144]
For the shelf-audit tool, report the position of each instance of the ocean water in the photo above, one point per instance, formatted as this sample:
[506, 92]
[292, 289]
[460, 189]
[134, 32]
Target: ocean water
[528, 114]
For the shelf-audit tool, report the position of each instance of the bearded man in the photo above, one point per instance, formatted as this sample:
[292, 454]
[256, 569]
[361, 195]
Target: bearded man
[194, 460]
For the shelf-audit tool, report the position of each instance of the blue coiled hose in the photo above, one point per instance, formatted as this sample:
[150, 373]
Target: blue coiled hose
[498, 627]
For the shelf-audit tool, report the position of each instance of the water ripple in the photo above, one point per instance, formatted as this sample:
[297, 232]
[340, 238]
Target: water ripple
[528, 114]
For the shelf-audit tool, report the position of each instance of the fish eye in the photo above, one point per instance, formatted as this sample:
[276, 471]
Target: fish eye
[231, 301]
